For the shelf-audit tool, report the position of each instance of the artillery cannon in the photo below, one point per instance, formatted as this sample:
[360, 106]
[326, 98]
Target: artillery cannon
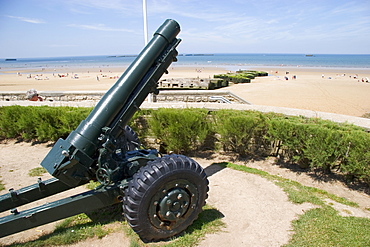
[161, 195]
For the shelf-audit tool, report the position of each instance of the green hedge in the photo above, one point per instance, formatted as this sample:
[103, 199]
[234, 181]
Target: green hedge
[311, 143]
[240, 132]
[40, 123]
[241, 76]
[180, 130]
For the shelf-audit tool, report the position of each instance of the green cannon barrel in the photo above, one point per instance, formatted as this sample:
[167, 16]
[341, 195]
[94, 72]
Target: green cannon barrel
[85, 137]
[70, 160]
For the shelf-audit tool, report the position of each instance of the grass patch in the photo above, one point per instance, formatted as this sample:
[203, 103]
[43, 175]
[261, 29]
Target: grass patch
[324, 227]
[2, 187]
[92, 185]
[296, 192]
[209, 221]
[38, 171]
[321, 226]
[70, 231]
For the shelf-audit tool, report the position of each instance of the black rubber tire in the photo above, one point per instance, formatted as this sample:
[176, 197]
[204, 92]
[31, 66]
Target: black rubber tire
[165, 197]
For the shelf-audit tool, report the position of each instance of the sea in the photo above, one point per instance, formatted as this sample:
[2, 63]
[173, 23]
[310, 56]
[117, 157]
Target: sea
[227, 61]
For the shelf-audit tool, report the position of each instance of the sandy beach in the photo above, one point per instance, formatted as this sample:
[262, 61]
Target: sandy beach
[326, 90]
[341, 91]
[85, 79]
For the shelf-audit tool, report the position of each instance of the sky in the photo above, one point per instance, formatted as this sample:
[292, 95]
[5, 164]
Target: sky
[53, 28]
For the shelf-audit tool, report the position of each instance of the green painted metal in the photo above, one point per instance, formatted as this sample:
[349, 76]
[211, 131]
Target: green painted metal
[49, 212]
[71, 160]
[41, 189]
[93, 151]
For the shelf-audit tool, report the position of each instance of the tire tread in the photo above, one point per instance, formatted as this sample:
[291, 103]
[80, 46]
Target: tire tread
[149, 176]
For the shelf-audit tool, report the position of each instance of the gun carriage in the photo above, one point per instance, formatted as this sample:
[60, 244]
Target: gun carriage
[160, 195]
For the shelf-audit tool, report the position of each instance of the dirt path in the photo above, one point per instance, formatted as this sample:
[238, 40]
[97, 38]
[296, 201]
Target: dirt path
[256, 211]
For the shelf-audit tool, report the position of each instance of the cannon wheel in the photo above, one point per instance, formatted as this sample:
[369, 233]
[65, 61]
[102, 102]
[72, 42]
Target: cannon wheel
[165, 197]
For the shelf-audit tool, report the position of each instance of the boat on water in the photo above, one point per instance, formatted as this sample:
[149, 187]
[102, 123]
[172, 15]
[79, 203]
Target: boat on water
[124, 56]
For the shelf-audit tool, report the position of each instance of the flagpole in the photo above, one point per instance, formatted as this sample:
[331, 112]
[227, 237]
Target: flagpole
[150, 96]
[145, 23]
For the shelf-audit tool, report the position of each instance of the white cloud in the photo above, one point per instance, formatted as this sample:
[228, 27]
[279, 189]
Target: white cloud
[26, 19]
[102, 27]
[57, 45]
[125, 6]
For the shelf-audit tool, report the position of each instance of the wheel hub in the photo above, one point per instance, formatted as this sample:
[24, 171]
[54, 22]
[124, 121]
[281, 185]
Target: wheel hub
[174, 205]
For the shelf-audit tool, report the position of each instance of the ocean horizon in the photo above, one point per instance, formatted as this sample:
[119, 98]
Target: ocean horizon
[229, 61]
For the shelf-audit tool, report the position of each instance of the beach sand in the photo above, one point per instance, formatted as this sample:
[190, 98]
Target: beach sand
[333, 91]
[318, 89]
[85, 79]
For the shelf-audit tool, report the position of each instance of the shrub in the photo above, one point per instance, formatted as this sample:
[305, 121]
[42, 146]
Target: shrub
[70, 118]
[357, 156]
[325, 148]
[9, 121]
[139, 124]
[240, 131]
[311, 143]
[323, 144]
[41, 123]
[180, 130]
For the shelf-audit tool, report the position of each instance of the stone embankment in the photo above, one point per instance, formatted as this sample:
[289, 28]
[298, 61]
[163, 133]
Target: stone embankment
[163, 96]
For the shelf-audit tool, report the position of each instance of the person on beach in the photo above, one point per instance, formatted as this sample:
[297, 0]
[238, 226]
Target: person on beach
[32, 95]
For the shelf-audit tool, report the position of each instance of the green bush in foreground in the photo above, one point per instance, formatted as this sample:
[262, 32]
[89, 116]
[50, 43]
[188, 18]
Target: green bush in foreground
[323, 144]
[239, 132]
[311, 143]
[39, 123]
[181, 130]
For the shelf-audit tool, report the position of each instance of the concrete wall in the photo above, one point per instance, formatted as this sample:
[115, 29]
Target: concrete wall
[163, 96]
